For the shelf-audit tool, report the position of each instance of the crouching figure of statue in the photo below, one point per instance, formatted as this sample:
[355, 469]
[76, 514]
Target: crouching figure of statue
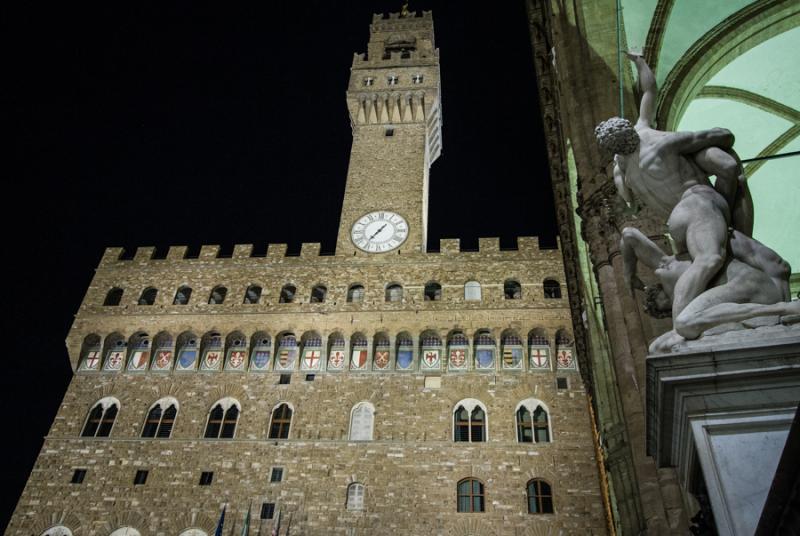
[710, 224]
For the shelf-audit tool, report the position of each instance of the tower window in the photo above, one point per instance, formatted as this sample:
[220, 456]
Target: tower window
[561, 383]
[389, 132]
[470, 495]
[368, 81]
[355, 496]
[469, 422]
[252, 294]
[287, 294]
[433, 291]
[267, 510]
[217, 295]
[206, 477]
[512, 290]
[182, 296]
[540, 497]
[318, 294]
[417, 78]
[101, 418]
[113, 297]
[392, 80]
[277, 474]
[222, 420]
[285, 379]
[159, 422]
[355, 294]
[552, 289]
[78, 476]
[141, 478]
[148, 296]
[281, 422]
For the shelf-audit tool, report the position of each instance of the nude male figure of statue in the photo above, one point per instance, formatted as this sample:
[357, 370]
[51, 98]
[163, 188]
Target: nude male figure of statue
[752, 282]
[664, 169]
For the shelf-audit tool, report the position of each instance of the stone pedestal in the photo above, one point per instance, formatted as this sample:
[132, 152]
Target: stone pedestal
[726, 403]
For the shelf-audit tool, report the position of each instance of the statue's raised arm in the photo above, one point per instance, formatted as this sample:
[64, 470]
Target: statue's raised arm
[647, 83]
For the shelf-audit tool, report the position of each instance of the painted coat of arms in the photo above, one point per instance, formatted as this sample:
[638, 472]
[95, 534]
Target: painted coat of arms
[260, 360]
[484, 359]
[430, 358]
[92, 361]
[381, 359]
[404, 359]
[359, 359]
[458, 358]
[236, 360]
[336, 360]
[114, 360]
[163, 360]
[186, 359]
[564, 358]
[139, 360]
[539, 358]
[311, 359]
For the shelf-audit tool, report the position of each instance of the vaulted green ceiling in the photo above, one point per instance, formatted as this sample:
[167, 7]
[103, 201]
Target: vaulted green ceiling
[733, 64]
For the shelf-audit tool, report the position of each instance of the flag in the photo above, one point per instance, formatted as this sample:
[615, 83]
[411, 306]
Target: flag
[276, 528]
[246, 526]
[221, 521]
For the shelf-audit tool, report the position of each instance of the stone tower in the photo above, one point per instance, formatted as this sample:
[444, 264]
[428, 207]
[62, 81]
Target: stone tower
[380, 390]
[395, 112]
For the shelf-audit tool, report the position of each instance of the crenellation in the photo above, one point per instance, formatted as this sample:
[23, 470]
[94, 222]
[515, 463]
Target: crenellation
[449, 246]
[177, 253]
[310, 250]
[276, 251]
[111, 256]
[143, 254]
[242, 251]
[209, 252]
[489, 245]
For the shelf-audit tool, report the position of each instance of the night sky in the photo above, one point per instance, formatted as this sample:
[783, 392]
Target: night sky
[184, 124]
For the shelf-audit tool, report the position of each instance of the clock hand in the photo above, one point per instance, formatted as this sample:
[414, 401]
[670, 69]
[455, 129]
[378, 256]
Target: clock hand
[376, 233]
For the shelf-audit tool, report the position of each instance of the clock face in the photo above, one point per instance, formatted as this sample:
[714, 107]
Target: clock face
[379, 231]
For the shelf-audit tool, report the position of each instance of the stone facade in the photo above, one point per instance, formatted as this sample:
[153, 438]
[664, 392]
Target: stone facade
[412, 466]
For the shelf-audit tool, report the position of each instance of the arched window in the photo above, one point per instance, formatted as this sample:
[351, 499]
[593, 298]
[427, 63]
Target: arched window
[113, 297]
[287, 294]
[101, 418]
[433, 291]
[193, 532]
[472, 291]
[470, 496]
[252, 294]
[182, 295]
[394, 293]
[58, 530]
[512, 290]
[355, 496]
[161, 418]
[217, 295]
[148, 296]
[362, 419]
[318, 294]
[469, 421]
[552, 288]
[540, 497]
[355, 294]
[281, 422]
[222, 419]
[533, 422]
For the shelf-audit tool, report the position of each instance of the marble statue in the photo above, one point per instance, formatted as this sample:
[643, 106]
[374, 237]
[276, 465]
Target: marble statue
[670, 173]
[753, 282]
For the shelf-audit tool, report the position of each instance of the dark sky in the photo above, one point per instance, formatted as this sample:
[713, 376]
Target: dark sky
[183, 123]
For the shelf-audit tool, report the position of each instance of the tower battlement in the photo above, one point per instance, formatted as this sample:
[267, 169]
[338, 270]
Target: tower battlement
[527, 247]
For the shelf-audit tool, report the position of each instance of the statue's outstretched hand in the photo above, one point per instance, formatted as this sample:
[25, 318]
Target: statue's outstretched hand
[633, 55]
